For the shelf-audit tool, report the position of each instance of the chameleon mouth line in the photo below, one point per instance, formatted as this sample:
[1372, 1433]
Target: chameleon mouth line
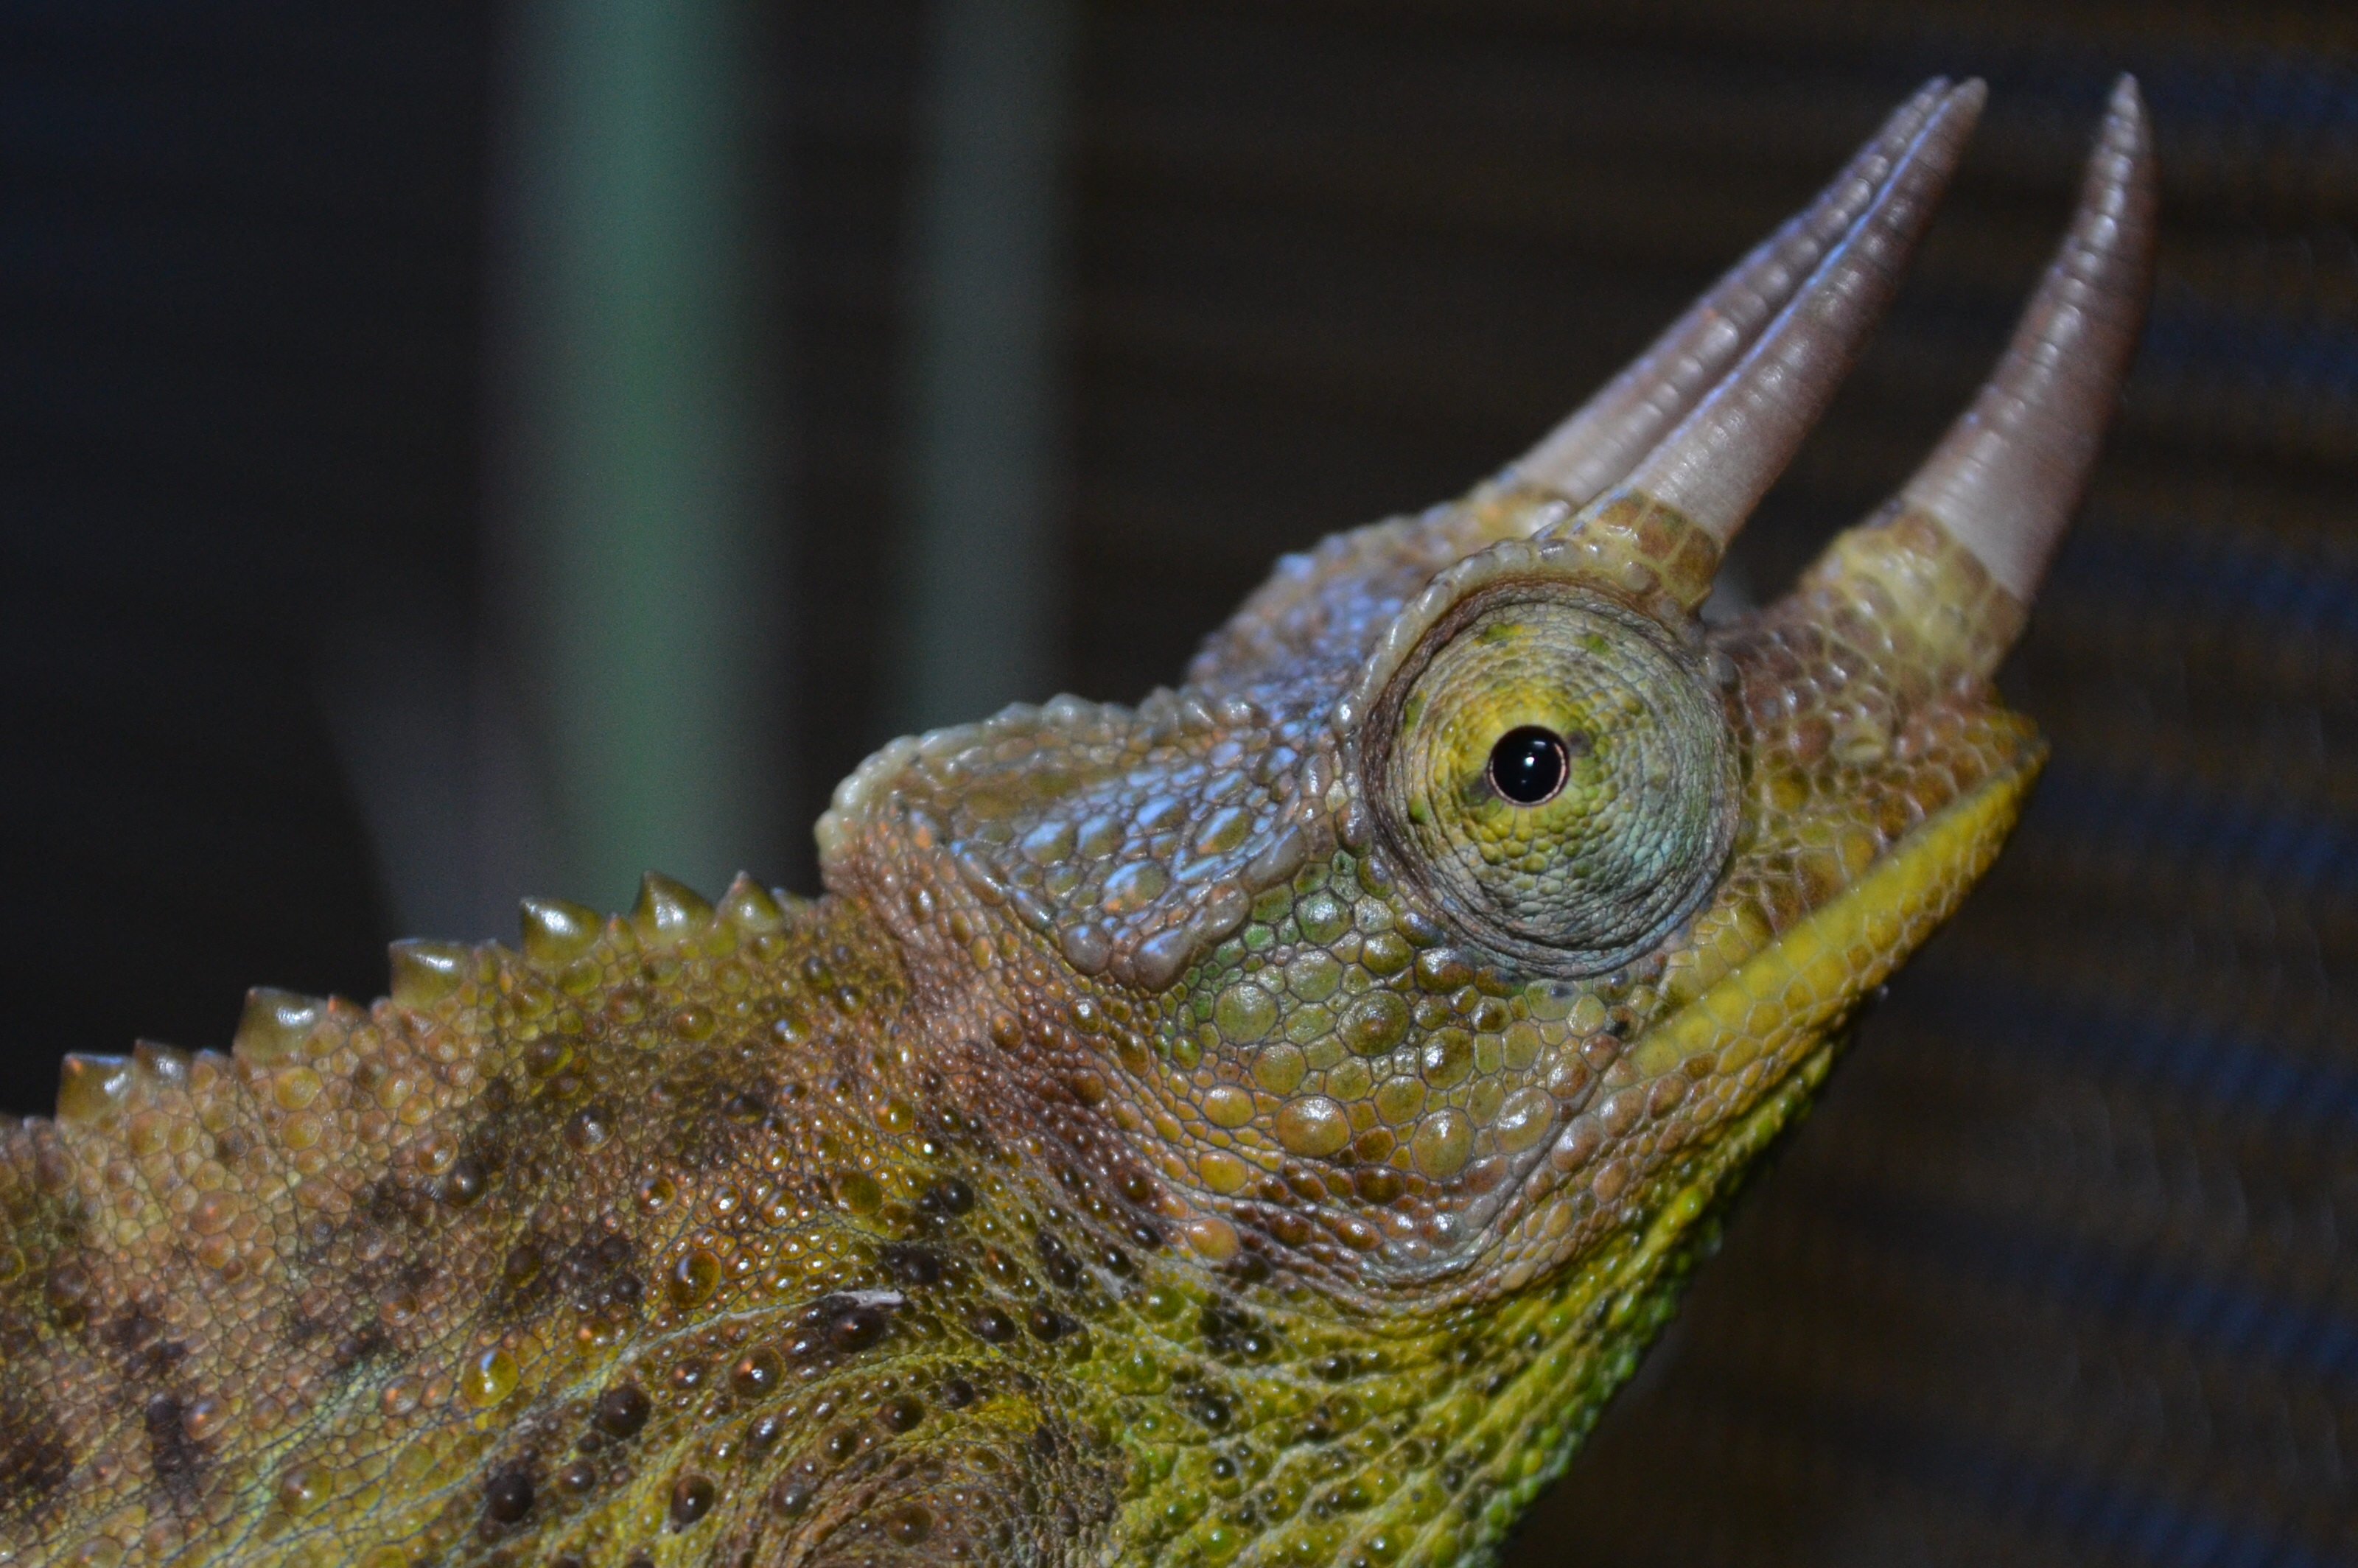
[1798, 983]
[1785, 998]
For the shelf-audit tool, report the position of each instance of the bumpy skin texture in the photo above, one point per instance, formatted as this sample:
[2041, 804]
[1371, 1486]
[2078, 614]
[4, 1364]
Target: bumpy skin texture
[1135, 1157]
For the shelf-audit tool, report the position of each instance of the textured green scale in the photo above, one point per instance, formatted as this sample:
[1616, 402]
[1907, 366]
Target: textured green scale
[1158, 1145]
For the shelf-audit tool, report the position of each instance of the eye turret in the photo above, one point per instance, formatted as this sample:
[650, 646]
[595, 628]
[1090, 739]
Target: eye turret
[1558, 776]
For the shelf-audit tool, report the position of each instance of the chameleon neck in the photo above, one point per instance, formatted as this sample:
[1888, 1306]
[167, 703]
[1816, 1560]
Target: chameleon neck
[1262, 1425]
[680, 1241]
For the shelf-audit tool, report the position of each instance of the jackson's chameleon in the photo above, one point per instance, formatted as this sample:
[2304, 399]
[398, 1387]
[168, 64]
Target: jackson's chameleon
[1260, 1126]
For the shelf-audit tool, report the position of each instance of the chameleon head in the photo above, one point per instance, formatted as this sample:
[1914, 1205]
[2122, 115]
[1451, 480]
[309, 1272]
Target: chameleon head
[1474, 904]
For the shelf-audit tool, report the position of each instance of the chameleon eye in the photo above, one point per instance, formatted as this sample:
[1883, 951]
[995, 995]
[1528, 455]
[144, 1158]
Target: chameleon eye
[1529, 763]
[1560, 776]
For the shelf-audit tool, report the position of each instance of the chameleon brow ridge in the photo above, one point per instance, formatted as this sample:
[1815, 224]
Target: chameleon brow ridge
[1593, 448]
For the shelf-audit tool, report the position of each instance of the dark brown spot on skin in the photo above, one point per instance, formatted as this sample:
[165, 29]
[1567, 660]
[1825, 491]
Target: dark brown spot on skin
[691, 1500]
[146, 1354]
[577, 1478]
[523, 1262]
[1230, 1331]
[856, 1328]
[1205, 1406]
[389, 1204]
[957, 1393]
[993, 1326]
[507, 1497]
[910, 1525]
[33, 1463]
[67, 1293]
[354, 1348]
[621, 1410]
[912, 1267]
[174, 1456]
[755, 1374]
[1064, 1270]
[950, 1195]
[465, 1182]
[902, 1414]
[591, 1274]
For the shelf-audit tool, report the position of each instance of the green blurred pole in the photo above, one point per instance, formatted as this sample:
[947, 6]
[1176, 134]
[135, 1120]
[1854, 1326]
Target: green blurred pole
[979, 581]
[641, 498]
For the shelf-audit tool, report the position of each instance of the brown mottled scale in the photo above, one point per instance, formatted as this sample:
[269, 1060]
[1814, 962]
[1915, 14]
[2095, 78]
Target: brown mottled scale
[1260, 1126]
[824, 1231]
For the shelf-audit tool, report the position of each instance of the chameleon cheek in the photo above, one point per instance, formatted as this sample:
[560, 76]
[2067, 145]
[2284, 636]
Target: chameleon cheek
[1363, 1099]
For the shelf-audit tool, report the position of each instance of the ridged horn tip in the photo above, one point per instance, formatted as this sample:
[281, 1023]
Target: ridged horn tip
[2010, 472]
[1714, 467]
[1600, 442]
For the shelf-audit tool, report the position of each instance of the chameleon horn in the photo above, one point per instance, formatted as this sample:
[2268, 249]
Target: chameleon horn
[1603, 439]
[1719, 461]
[1946, 568]
[2010, 472]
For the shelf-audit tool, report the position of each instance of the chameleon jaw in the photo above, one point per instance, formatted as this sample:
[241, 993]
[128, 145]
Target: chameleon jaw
[1703, 1068]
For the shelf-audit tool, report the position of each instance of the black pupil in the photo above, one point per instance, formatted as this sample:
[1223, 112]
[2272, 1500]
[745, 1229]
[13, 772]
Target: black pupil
[1527, 766]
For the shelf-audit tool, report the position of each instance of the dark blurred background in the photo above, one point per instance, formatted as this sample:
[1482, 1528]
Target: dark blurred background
[449, 452]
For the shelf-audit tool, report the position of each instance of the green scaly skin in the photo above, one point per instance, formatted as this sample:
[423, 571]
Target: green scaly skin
[1260, 1127]
[1137, 1156]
